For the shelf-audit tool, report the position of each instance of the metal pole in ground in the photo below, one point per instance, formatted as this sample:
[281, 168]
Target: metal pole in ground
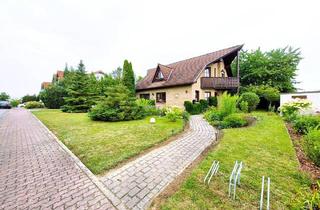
[261, 197]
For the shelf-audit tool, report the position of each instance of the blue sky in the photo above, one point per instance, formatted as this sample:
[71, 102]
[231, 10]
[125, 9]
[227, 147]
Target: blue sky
[39, 37]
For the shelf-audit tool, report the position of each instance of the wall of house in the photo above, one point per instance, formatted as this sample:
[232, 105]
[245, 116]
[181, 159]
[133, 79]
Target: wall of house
[175, 96]
[197, 86]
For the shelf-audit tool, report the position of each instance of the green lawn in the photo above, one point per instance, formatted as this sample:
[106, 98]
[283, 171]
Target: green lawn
[265, 149]
[103, 145]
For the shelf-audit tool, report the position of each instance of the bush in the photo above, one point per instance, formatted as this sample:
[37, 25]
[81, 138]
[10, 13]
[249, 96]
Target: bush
[251, 98]
[303, 124]
[14, 102]
[204, 104]
[195, 108]
[52, 97]
[117, 106]
[312, 145]
[213, 101]
[244, 106]
[290, 110]
[213, 115]
[173, 113]
[148, 106]
[28, 98]
[34, 105]
[231, 121]
[227, 104]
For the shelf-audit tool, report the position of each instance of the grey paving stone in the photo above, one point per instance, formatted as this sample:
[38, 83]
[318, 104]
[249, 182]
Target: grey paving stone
[36, 173]
[145, 177]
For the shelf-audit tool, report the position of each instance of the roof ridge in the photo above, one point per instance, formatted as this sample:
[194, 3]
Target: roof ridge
[235, 46]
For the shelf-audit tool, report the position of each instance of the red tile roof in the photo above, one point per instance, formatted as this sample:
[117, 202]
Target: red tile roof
[183, 72]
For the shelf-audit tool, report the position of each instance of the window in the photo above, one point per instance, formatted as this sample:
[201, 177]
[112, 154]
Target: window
[207, 95]
[207, 72]
[145, 95]
[159, 76]
[161, 97]
[299, 97]
[223, 74]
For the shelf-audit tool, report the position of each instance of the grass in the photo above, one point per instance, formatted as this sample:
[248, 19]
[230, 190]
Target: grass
[265, 149]
[103, 145]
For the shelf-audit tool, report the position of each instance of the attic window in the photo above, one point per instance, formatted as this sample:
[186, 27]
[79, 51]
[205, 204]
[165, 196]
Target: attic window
[159, 76]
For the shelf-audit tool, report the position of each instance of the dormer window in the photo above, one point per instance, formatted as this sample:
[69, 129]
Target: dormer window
[159, 76]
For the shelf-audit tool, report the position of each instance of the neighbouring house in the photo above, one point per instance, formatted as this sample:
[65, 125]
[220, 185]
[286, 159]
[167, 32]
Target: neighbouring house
[192, 79]
[56, 77]
[98, 74]
[45, 85]
[313, 96]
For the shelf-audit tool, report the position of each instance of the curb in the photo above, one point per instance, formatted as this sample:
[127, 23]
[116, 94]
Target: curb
[117, 203]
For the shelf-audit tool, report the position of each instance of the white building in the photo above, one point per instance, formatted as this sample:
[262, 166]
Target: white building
[98, 74]
[313, 96]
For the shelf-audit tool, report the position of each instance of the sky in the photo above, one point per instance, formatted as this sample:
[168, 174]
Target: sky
[37, 38]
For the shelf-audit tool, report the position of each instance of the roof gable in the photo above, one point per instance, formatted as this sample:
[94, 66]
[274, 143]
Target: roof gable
[183, 72]
[162, 73]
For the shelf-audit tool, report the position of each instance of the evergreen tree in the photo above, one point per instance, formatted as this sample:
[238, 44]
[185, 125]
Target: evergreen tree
[128, 79]
[79, 95]
[81, 67]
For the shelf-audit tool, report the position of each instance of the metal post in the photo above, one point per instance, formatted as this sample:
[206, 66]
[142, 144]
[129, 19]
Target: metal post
[261, 197]
[268, 194]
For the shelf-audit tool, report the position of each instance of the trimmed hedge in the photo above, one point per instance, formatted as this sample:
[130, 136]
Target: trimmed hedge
[34, 105]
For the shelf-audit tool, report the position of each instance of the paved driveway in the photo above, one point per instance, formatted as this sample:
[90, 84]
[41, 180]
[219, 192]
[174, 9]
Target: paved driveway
[138, 182]
[2, 111]
[37, 173]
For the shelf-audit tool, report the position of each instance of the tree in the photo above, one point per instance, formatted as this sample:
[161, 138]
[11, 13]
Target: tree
[81, 67]
[117, 74]
[276, 68]
[4, 96]
[28, 98]
[77, 86]
[268, 95]
[128, 79]
[52, 97]
[119, 105]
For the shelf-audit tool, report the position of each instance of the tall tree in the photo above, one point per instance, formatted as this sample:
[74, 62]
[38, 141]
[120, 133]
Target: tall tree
[117, 74]
[276, 68]
[81, 67]
[128, 79]
[4, 96]
[79, 97]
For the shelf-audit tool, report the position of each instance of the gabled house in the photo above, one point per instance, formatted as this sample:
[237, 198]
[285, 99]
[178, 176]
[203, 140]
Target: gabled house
[192, 79]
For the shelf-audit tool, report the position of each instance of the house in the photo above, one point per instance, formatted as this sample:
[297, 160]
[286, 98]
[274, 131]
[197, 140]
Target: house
[98, 74]
[45, 85]
[192, 79]
[312, 96]
[56, 77]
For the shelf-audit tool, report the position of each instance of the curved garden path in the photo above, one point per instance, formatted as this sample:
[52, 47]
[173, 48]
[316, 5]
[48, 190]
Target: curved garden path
[139, 181]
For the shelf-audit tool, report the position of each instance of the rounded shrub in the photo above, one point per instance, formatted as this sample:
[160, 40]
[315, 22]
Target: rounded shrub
[251, 98]
[34, 105]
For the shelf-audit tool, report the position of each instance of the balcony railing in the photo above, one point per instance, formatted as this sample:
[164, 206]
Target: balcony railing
[219, 83]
